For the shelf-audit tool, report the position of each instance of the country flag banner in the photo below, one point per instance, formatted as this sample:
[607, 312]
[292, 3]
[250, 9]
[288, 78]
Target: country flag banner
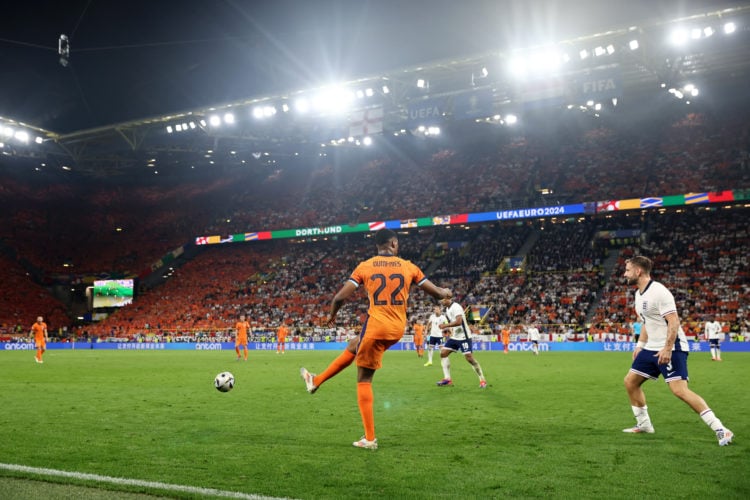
[364, 122]
[651, 202]
[408, 223]
[376, 226]
[693, 198]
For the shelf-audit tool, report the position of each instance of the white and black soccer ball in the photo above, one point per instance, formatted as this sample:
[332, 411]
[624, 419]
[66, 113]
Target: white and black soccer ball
[224, 382]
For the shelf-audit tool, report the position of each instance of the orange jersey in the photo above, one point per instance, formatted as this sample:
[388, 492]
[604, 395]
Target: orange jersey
[506, 336]
[418, 334]
[39, 329]
[282, 333]
[387, 280]
[242, 328]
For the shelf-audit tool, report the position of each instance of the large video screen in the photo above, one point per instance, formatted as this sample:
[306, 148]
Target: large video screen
[113, 293]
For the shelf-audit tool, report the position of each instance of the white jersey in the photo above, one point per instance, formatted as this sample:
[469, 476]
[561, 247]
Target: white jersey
[460, 332]
[434, 322]
[713, 330]
[652, 306]
[533, 333]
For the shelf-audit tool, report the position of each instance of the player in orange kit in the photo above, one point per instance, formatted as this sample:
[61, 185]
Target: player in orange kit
[387, 279]
[419, 338]
[39, 331]
[242, 327]
[281, 334]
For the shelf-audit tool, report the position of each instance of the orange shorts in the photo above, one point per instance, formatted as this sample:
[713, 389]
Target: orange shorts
[240, 342]
[370, 352]
[41, 344]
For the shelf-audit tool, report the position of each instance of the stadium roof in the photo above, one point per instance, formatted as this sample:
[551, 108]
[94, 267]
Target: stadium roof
[672, 48]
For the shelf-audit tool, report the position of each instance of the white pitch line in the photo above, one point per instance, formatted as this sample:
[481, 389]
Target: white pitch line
[135, 482]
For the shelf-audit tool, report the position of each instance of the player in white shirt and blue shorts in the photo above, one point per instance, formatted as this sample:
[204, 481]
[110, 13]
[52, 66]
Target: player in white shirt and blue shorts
[435, 339]
[661, 350]
[459, 340]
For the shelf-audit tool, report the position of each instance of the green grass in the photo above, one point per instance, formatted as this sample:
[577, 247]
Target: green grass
[548, 426]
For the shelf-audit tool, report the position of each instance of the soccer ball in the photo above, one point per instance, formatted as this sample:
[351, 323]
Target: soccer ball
[224, 382]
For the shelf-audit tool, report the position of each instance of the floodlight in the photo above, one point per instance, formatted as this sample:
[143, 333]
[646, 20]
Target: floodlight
[610, 49]
[229, 118]
[633, 45]
[369, 92]
[169, 129]
[696, 33]
[614, 101]
[285, 108]
[203, 123]
[7, 131]
[258, 112]
[485, 72]
[302, 105]
[729, 28]
[214, 120]
[708, 31]
[421, 83]
[360, 94]
[367, 141]
[598, 106]
[184, 127]
[694, 92]
[192, 125]
[433, 130]
[178, 127]
[511, 119]
[22, 136]
[517, 67]
[38, 140]
[679, 36]
[583, 54]
[386, 90]
[599, 51]
[589, 103]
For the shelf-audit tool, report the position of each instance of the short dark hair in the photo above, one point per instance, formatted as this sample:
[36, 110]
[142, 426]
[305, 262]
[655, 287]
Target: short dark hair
[383, 236]
[643, 262]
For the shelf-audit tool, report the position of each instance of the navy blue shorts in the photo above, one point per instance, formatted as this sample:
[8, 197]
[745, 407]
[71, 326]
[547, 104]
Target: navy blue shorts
[646, 364]
[713, 342]
[436, 341]
[462, 346]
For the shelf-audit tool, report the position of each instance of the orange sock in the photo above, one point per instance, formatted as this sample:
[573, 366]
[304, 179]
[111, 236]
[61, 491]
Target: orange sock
[342, 361]
[245, 351]
[364, 400]
[39, 354]
[237, 350]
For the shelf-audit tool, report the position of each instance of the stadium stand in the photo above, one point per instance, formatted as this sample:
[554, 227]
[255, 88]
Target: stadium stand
[569, 281]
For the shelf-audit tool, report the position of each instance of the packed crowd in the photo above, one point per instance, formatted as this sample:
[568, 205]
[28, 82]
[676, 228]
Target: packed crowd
[64, 228]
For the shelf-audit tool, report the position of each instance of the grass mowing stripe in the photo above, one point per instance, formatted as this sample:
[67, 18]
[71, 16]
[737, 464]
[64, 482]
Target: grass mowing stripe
[40, 471]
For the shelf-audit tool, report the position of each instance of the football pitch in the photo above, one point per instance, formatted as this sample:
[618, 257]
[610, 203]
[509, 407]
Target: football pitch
[121, 424]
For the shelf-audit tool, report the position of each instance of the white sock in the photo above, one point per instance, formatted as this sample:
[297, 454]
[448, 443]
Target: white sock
[429, 355]
[478, 371]
[713, 352]
[718, 353]
[641, 415]
[711, 420]
[446, 367]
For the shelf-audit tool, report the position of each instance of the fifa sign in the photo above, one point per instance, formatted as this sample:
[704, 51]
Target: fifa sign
[602, 84]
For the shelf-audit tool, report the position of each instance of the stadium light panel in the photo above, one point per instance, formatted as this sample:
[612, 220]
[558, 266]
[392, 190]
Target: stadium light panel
[369, 92]
[178, 127]
[269, 111]
[583, 54]
[169, 129]
[285, 108]
[257, 112]
[485, 72]
[203, 123]
[228, 118]
[610, 49]
[708, 31]
[679, 36]
[367, 141]
[696, 33]
[511, 119]
[421, 83]
[22, 136]
[38, 140]
[7, 131]
[214, 120]
[360, 94]
[184, 127]
[599, 51]
[386, 90]
[192, 125]
[302, 105]
[730, 28]
[633, 45]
